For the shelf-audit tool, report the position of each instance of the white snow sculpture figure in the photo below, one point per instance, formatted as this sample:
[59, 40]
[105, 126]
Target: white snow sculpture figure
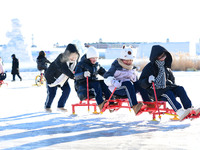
[16, 44]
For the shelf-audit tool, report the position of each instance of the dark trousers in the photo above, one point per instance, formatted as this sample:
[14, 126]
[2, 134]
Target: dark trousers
[17, 75]
[143, 92]
[51, 93]
[171, 95]
[100, 88]
[130, 89]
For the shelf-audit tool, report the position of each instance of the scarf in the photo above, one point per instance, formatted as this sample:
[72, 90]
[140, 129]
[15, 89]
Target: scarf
[160, 81]
[128, 67]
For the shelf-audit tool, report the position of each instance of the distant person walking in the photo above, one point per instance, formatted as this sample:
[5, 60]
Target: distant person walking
[15, 67]
[42, 61]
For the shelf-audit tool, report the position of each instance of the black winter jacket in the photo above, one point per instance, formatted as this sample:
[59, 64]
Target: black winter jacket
[42, 62]
[80, 80]
[152, 69]
[56, 68]
[15, 66]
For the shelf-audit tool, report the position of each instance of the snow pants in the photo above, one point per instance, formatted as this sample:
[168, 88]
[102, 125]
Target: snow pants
[170, 97]
[130, 89]
[100, 88]
[51, 93]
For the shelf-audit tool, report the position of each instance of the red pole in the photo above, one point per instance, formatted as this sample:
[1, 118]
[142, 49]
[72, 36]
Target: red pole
[88, 94]
[112, 93]
[108, 99]
[154, 89]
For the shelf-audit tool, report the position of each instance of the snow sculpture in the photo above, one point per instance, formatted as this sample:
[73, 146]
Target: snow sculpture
[16, 44]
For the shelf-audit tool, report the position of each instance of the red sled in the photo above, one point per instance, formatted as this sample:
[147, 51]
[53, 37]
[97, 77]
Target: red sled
[2, 82]
[88, 102]
[154, 108]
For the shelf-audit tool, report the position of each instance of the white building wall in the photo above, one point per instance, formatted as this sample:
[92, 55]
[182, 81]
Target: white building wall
[144, 49]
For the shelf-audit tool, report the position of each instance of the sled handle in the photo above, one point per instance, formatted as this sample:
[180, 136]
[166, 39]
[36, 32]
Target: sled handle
[154, 89]
[88, 94]
[112, 93]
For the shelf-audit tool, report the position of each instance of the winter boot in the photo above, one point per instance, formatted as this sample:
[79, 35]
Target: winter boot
[48, 110]
[149, 105]
[62, 109]
[101, 105]
[183, 113]
[137, 108]
[197, 111]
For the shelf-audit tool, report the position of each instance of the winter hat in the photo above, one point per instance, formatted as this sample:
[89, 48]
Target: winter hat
[92, 52]
[126, 53]
[71, 48]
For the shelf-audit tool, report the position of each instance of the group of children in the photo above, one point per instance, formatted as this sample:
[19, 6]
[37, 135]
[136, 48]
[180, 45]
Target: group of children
[121, 77]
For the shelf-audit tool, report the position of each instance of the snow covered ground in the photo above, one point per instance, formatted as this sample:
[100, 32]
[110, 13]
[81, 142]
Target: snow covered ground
[24, 125]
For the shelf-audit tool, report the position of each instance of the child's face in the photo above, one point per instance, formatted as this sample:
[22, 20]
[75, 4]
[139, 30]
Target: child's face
[73, 56]
[93, 60]
[127, 62]
[162, 57]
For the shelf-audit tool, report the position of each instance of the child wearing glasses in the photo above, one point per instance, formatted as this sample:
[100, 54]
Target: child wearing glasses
[158, 70]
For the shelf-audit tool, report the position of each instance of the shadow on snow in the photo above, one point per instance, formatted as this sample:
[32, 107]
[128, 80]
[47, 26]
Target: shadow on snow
[70, 124]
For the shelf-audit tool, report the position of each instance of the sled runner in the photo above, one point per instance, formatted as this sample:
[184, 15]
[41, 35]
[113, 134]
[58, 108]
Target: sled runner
[88, 102]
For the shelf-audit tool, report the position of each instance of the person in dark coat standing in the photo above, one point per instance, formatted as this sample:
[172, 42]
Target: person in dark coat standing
[15, 67]
[158, 70]
[89, 67]
[57, 75]
[42, 61]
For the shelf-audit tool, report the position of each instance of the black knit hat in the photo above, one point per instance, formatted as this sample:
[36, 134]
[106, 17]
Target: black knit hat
[71, 48]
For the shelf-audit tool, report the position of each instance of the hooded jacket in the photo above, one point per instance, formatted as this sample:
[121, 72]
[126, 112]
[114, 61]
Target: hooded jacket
[152, 69]
[42, 62]
[61, 66]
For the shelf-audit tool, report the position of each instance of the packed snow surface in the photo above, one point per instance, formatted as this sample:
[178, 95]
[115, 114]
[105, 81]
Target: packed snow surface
[24, 125]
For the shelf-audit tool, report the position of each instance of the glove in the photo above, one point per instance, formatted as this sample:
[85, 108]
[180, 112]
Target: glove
[151, 79]
[116, 83]
[87, 74]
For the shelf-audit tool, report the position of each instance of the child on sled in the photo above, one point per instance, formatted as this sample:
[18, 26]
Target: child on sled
[158, 70]
[123, 76]
[89, 67]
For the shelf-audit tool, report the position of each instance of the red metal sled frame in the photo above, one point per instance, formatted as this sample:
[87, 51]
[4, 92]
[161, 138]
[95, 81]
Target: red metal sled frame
[87, 102]
[159, 109]
[2, 82]
[154, 111]
[118, 103]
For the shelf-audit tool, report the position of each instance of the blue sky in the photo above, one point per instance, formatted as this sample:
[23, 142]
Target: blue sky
[63, 21]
